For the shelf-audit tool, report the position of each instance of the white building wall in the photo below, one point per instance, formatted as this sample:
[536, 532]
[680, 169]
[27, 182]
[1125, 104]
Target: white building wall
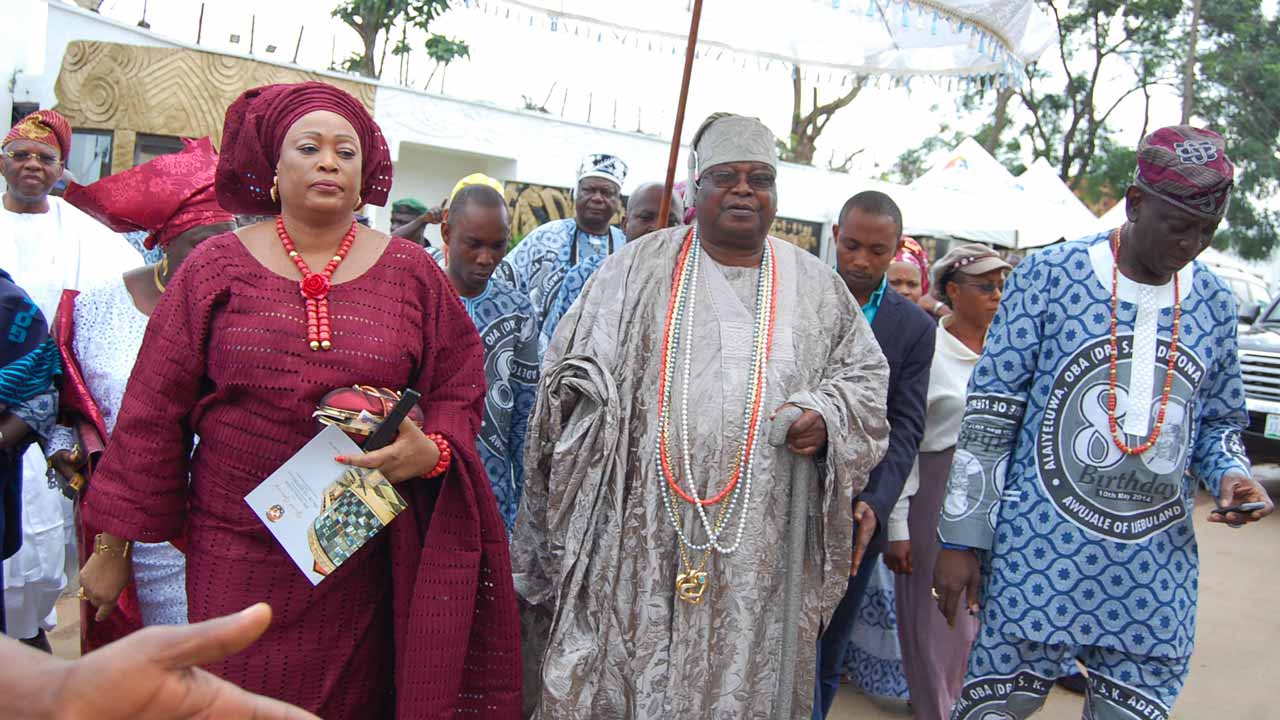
[64, 24]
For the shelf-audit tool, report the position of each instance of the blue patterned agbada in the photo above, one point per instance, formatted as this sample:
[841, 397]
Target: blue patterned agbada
[538, 265]
[1083, 545]
[512, 348]
[570, 288]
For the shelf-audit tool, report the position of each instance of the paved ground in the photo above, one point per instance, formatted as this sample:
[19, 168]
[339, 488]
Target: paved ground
[1238, 639]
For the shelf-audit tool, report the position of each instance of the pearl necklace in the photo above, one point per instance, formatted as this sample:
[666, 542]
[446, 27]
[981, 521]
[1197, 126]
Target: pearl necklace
[682, 304]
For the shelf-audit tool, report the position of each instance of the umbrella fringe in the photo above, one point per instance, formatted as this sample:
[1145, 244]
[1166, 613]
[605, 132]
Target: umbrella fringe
[922, 14]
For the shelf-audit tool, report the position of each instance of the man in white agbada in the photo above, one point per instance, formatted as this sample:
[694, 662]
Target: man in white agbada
[47, 246]
[671, 560]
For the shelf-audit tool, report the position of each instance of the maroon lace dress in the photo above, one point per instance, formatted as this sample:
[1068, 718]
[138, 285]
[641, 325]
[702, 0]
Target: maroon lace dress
[421, 622]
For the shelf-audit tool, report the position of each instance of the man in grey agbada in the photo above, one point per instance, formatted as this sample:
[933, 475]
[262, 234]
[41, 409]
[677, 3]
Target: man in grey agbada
[663, 566]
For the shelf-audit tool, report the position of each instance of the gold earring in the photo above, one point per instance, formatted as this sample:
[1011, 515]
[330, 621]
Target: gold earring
[275, 189]
[161, 272]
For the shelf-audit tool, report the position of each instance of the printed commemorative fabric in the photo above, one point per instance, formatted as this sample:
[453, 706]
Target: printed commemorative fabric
[594, 551]
[1010, 679]
[1088, 545]
[873, 658]
[512, 350]
[504, 319]
[537, 266]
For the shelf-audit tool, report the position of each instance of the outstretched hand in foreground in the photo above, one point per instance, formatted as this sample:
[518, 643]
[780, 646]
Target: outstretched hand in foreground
[152, 673]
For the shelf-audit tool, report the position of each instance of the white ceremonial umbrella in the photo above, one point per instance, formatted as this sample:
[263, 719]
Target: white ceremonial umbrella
[982, 41]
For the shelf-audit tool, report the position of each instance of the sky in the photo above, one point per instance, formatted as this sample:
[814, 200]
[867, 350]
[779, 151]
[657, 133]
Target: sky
[604, 83]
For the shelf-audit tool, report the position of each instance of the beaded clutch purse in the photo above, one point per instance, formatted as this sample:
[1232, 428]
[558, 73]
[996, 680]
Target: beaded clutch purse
[359, 409]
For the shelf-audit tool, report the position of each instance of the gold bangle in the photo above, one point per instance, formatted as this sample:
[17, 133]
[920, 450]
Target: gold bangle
[100, 546]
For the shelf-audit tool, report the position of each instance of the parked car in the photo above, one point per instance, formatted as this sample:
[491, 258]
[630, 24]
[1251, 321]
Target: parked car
[1252, 294]
[1260, 364]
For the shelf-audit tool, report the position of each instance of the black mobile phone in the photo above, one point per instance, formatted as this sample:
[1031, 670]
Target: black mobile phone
[1242, 508]
[386, 430]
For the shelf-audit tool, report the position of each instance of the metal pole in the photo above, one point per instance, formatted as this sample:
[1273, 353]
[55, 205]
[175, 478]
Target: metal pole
[253, 24]
[298, 46]
[200, 25]
[665, 208]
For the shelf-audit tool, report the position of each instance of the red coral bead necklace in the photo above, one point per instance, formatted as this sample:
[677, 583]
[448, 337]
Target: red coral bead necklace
[1116, 436]
[314, 287]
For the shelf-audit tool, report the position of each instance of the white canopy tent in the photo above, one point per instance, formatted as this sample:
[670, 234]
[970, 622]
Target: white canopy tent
[969, 195]
[1113, 218]
[1050, 211]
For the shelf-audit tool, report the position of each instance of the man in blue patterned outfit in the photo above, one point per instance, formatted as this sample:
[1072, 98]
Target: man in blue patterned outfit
[1073, 482]
[537, 266]
[475, 231]
[641, 219]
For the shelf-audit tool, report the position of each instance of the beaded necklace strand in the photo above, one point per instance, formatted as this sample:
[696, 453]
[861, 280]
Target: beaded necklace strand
[1116, 436]
[314, 287]
[691, 584]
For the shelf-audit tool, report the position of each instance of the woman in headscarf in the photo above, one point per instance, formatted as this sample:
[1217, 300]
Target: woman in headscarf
[246, 341]
[99, 331]
[28, 401]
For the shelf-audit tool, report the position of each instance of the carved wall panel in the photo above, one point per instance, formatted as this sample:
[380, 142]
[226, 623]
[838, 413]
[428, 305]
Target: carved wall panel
[164, 91]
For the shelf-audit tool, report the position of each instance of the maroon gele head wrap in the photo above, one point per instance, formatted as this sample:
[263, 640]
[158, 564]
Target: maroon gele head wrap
[166, 196]
[254, 132]
[1188, 167]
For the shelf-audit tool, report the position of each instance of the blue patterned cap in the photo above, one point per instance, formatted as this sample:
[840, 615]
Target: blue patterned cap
[603, 165]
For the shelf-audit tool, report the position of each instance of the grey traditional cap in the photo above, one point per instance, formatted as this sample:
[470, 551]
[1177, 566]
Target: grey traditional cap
[971, 259]
[728, 138]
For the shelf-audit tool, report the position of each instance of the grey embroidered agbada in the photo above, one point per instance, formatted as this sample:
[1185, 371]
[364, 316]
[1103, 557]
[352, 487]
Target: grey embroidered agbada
[594, 553]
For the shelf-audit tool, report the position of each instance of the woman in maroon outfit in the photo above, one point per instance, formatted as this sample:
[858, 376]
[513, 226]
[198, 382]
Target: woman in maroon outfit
[421, 623]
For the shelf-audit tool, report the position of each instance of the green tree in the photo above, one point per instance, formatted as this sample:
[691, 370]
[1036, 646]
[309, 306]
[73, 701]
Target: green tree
[913, 163]
[1098, 41]
[375, 19]
[1061, 108]
[1237, 93]
[800, 145]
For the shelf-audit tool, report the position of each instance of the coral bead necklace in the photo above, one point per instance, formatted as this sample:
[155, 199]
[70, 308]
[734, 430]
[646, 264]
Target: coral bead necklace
[1116, 436]
[677, 345]
[314, 287]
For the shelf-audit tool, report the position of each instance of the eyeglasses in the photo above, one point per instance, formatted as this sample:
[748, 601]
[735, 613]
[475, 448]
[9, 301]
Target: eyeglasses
[728, 179]
[986, 287]
[21, 156]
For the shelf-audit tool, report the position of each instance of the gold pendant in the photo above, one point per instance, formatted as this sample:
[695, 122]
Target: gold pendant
[690, 586]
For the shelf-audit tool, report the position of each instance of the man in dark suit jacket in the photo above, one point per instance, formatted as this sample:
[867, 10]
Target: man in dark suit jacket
[867, 237]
